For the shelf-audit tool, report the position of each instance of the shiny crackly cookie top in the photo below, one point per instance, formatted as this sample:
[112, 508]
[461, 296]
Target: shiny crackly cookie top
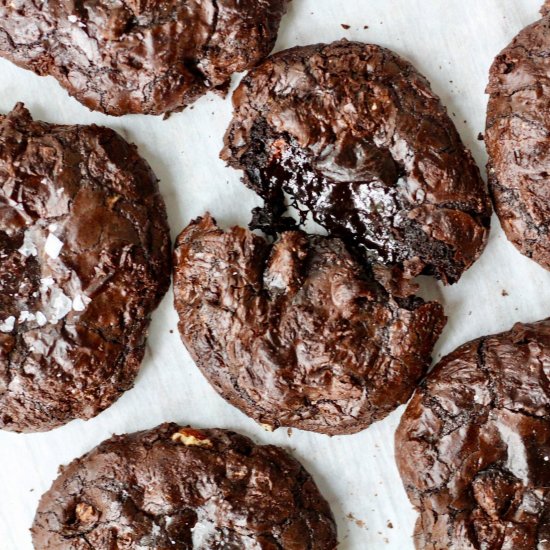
[139, 56]
[84, 252]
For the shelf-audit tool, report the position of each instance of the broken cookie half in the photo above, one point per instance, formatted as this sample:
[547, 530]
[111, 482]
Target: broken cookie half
[353, 135]
[298, 333]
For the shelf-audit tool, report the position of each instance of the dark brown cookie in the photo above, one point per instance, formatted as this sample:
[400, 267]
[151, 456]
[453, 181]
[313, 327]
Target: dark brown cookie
[175, 488]
[84, 260]
[473, 446]
[518, 140]
[298, 333]
[355, 135]
[139, 56]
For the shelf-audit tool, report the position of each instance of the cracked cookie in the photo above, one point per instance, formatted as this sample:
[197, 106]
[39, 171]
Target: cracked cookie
[298, 333]
[139, 56]
[84, 260]
[473, 446]
[175, 488]
[517, 139]
[352, 134]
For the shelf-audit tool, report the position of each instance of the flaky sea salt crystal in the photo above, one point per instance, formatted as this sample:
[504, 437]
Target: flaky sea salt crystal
[28, 247]
[52, 227]
[53, 246]
[26, 316]
[12, 203]
[41, 318]
[61, 304]
[202, 533]
[80, 301]
[46, 282]
[72, 18]
[8, 324]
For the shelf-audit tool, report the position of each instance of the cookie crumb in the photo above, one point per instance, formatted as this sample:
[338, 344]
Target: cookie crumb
[359, 522]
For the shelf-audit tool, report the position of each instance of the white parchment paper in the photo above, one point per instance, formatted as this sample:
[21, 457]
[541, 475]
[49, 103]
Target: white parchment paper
[453, 43]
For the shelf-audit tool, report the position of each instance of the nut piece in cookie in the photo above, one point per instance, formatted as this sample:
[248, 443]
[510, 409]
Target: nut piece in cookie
[473, 446]
[139, 56]
[518, 139]
[143, 490]
[86, 514]
[84, 261]
[354, 135]
[191, 438]
[298, 333]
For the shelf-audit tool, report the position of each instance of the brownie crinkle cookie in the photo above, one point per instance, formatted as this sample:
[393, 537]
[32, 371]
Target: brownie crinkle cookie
[518, 139]
[353, 134]
[473, 446]
[84, 260]
[175, 488]
[139, 56]
[298, 333]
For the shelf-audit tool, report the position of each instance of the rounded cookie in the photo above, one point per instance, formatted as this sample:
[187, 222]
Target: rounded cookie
[173, 488]
[518, 140]
[139, 56]
[298, 333]
[354, 134]
[473, 446]
[84, 260]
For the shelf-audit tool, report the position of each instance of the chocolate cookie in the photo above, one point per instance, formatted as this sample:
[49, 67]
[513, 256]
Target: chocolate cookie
[473, 446]
[353, 134]
[175, 488]
[298, 333]
[139, 56]
[84, 260]
[518, 140]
